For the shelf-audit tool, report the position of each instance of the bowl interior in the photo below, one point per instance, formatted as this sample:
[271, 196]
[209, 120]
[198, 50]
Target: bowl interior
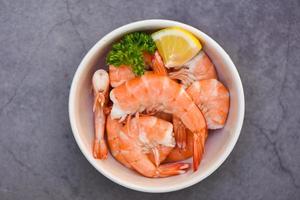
[219, 143]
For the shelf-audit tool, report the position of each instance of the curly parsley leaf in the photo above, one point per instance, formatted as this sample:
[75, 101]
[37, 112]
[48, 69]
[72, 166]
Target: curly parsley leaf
[129, 51]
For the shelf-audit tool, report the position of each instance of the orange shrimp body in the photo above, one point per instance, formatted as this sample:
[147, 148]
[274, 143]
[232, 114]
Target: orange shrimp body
[114, 127]
[119, 75]
[212, 97]
[202, 67]
[143, 135]
[163, 94]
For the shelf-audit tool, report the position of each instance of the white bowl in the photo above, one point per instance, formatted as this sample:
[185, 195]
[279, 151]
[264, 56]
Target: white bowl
[219, 144]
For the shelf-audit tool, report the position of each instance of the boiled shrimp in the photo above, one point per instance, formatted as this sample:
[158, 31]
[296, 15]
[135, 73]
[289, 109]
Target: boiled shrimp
[163, 94]
[212, 97]
[199, 68]
[100, 89]
[119, 75]
[142, 135]
[113, 128]
[155, 128]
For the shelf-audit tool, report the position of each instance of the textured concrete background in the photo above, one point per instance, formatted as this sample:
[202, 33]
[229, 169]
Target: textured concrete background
[42, 43]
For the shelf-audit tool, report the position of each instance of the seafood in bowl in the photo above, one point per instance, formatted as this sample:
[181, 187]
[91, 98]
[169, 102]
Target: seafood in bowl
[218, 144]
[150, 73]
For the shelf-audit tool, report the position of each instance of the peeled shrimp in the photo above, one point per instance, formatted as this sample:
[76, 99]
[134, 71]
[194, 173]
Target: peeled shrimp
[199, 68]
[119, 75]
[162, 94]
[100, 89]
[114, 127]
[143, 135]
[212, 97]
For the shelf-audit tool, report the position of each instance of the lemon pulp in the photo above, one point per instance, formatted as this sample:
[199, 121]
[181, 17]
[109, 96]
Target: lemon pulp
[176, 46]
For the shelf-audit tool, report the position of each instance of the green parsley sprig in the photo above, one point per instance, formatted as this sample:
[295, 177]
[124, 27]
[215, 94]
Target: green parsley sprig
[129, 51]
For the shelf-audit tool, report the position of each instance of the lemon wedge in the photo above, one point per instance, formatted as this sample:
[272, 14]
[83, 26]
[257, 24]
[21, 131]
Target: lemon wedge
[176, 46]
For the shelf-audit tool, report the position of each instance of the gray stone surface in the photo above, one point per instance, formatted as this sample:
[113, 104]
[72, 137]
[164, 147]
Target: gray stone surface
[42, 43]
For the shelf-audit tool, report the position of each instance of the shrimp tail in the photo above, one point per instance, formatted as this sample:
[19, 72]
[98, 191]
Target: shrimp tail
[179, 133]
[100, 149]
[172, 169]
[198, 148]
